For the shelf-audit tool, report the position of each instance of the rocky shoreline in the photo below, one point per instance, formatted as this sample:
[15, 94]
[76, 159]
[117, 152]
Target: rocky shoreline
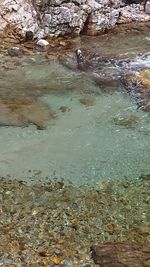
[58, 18]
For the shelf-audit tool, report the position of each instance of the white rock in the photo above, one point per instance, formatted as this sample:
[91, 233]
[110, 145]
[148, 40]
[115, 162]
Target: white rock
[147, 38]
[42, 42]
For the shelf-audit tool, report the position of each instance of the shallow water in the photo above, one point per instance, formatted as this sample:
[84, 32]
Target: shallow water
[109, 139]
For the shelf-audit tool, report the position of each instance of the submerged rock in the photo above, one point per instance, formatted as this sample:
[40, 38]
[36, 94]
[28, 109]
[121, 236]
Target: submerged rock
[23, 111]
[129, 122]
[121, 255]
[107, 84]
[145, 177]
[63, 109]
[88, 100]
[15, 51]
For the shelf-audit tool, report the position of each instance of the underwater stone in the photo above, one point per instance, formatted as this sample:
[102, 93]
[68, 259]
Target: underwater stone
[88, 100]
[121, 254]
[64, 109]
[129, 122]
[23, 111]
[15, 51]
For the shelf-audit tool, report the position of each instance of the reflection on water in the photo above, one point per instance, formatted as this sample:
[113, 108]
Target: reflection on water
[84, 142]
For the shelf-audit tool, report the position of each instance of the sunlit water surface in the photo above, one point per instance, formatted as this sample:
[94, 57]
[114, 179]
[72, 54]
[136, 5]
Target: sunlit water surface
[83, 144]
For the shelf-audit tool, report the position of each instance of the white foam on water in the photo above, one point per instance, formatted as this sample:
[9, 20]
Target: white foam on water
[141, 61]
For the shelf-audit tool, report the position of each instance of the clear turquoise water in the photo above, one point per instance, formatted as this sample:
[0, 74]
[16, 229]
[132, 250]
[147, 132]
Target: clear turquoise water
[83, 144]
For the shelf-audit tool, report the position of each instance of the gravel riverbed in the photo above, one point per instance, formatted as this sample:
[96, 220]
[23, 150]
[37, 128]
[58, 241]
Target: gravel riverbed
[55, 224]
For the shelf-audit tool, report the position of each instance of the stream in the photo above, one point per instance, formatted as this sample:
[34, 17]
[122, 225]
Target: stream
[107, 137]
[75, 155]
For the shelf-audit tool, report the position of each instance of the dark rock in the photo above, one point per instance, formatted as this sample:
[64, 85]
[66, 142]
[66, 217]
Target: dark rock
[121, 255]
[129, 2]
[64, 109]
[29, 36]
[145, 177]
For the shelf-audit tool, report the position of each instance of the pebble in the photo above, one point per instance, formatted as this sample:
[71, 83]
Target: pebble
[42, 43]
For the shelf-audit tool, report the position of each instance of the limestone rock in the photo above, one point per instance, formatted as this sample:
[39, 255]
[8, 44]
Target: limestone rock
[60, 17]
[132, 14]
[18, 13]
